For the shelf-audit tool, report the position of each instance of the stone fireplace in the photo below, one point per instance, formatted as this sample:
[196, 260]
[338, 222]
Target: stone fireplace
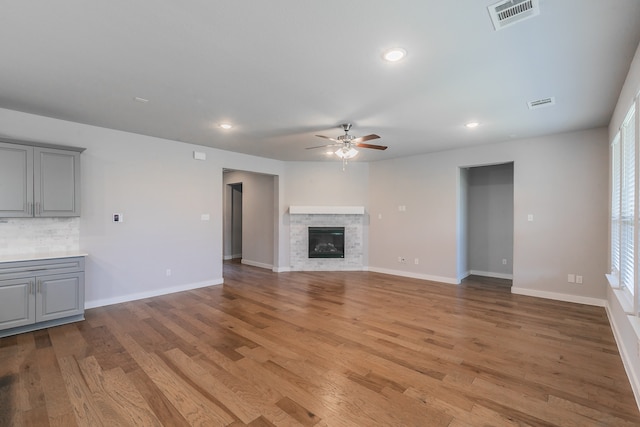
[351, 218]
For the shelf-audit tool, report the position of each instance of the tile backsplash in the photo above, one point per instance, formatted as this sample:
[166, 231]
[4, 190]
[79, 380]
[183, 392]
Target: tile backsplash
[23, 236]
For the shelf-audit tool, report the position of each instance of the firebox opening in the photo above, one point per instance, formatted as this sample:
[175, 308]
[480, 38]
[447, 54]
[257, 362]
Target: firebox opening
[326, 242]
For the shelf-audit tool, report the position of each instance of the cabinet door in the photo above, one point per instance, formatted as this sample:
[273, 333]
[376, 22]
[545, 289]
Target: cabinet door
[59, 296]
[17, 303]
[16, 180]
[56, 182]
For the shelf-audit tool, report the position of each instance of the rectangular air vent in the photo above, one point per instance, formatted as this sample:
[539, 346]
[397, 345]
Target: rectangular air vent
[508, 12]
[539, 103]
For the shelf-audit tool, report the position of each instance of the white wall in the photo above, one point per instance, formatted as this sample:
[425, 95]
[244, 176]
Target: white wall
[560, 179]
[161, 191]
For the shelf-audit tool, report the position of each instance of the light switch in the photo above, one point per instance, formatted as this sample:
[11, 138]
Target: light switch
[530, 217]
[205, 217]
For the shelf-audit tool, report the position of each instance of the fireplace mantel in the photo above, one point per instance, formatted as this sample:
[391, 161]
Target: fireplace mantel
[326, 210]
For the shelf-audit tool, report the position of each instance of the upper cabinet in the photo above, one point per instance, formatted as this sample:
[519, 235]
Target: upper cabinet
[39, 180]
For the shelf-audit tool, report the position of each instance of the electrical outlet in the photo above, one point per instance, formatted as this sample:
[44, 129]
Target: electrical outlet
[579, 279]
[504, 261]
[416, 261]
[168, 272]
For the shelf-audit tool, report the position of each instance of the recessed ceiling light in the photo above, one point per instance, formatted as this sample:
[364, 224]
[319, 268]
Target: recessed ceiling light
[226, 126]
[138, 99]
[394, 55]
[472, 125]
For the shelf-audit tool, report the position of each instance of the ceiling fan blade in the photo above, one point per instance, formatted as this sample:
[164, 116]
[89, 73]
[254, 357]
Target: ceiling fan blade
[326, 137]
[323, 146]
[375, 147]
[365, 138]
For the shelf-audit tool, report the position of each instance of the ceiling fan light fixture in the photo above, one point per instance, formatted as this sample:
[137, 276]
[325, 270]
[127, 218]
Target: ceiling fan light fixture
[225, 126]
[394, 55]
[346, 152]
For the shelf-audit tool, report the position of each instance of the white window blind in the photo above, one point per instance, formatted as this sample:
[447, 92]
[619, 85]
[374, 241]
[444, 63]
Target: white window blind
[616, 170]
[627, 203]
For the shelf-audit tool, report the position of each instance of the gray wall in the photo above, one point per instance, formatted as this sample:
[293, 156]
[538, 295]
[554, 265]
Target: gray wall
[162, 193]
[560, 179]
[490, 220]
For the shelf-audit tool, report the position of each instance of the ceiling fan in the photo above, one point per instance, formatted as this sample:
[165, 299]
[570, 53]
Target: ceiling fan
[347, 144]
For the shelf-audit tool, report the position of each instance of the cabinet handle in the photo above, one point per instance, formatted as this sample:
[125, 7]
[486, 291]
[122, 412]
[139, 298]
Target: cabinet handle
[39, 286]
[37, 208]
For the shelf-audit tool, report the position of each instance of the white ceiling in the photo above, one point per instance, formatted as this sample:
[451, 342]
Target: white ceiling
[284, 70]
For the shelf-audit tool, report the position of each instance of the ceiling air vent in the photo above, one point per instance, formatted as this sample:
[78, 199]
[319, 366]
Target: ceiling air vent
[539, 103]
[508, 12]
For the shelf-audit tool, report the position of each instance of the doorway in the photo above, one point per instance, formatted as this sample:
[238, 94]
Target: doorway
[489, 220]
[250, 221]
[236, 221]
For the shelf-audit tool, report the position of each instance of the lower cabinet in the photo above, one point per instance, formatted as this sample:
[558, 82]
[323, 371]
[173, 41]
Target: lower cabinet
[40, 294]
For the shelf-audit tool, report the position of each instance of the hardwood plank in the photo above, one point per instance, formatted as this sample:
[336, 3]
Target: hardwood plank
[322, 349]
[119, 402]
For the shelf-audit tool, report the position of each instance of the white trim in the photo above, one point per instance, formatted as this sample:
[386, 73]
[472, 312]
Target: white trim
[256, 264]
[281, 269]
[227, 257]
[326, 210]
[154, 293]
[490, 274]
[627, 361]
[559, 297]
[449, 280]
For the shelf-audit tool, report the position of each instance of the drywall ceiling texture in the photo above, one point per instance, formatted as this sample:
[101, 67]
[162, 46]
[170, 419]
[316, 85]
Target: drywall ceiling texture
[560, 179]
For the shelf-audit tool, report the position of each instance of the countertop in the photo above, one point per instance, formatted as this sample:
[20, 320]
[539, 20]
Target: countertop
[41, 256]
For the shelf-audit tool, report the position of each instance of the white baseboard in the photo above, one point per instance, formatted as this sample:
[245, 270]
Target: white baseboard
[256, 264]
[559, 297]
[227, 257]
[149, 294]
[490, 274]
[281, 269]
[449, 280]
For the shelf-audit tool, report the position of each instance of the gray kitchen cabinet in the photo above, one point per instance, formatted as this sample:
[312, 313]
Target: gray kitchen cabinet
[39, 180]
[17, 303]
[16, 180]
[40, 294]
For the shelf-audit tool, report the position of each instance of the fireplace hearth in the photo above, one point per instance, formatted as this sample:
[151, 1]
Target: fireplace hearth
[326, 242]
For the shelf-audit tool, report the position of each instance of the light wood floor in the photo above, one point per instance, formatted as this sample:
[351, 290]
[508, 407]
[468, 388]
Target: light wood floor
[322, 349]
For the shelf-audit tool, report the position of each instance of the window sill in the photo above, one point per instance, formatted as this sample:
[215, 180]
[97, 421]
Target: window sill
[622, 296]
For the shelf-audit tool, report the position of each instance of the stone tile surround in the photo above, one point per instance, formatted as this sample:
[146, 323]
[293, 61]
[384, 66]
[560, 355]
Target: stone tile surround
[25, 236]
[353, 242]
